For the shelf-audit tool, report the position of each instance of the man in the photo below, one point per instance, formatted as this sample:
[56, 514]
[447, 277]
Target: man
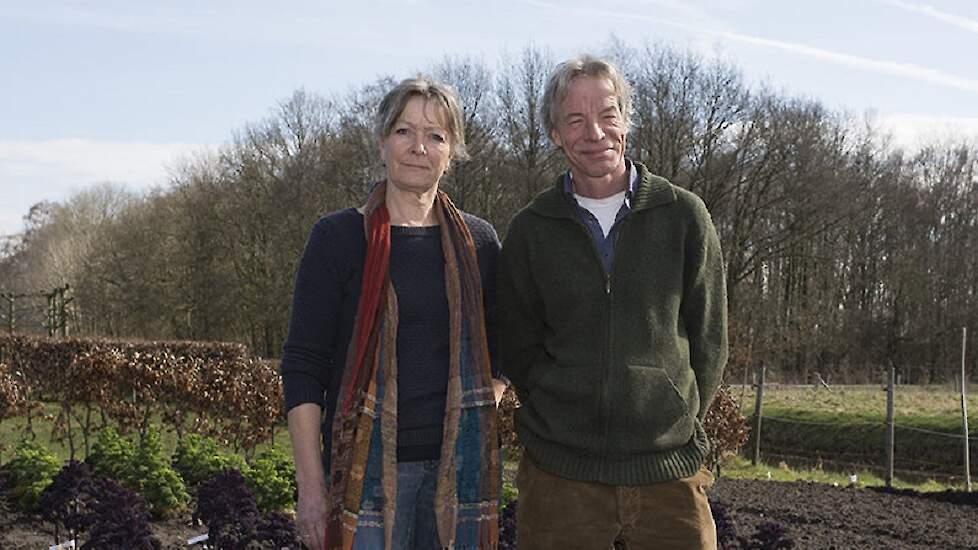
[612, 307]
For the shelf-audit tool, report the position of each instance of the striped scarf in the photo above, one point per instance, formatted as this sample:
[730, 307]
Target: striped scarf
[363, 486]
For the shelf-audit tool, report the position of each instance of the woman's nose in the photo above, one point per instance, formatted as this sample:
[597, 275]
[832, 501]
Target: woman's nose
[417, 145]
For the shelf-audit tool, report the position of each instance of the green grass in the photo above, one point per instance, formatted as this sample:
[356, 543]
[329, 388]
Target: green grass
[741, 468]
[910, 404]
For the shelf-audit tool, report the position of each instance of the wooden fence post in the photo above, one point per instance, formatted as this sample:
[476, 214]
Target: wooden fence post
[50, 313]
[63, 312]
[758, 401]
[10, 312]
[964, 413]
[890, 389]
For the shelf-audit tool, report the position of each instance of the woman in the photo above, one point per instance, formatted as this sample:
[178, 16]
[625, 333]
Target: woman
[390, 334]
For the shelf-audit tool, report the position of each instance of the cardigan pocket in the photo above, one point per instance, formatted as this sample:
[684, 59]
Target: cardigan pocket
[651, 413]
[562, 406]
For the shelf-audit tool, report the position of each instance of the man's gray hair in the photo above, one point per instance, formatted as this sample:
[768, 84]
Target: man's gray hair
[585, 65]
[444, 97]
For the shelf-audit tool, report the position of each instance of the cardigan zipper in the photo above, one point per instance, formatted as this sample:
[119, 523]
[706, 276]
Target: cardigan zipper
[605, 414]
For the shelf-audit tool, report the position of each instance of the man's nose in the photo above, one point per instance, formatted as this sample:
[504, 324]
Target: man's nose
[593, 131]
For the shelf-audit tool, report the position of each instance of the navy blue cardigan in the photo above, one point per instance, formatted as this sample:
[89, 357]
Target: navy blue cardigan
[327, 289]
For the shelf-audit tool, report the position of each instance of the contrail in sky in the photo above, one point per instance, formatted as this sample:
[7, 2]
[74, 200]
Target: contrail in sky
[906, 70]
[965, 23]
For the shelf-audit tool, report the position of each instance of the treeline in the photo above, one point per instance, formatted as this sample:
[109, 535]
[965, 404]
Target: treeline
[845, 255]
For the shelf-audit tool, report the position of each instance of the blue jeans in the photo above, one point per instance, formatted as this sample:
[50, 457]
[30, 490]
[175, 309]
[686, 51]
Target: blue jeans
[414, 515]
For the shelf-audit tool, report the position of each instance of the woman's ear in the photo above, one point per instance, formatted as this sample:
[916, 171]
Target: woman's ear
[555, 138]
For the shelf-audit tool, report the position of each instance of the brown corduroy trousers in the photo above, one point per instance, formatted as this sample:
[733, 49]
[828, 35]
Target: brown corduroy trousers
[556, 513]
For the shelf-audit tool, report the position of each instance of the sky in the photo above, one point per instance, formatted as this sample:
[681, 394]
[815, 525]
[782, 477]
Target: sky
[126, 90]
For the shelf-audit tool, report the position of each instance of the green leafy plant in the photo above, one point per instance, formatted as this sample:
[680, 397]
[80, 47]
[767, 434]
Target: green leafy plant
[198, 458]
[30, 472]
[271, 478]
[154, 478]
[111, 455]
[509, 494]
[143, 468]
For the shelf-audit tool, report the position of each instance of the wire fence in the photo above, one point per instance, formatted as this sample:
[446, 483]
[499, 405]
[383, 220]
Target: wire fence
[888, 446]
[871, 458]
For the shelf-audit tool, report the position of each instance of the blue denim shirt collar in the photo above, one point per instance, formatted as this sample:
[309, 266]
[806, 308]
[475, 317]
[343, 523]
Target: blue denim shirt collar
[605, 244]
[629, 191]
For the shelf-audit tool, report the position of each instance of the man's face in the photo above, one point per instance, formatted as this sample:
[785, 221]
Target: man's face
[591, 129]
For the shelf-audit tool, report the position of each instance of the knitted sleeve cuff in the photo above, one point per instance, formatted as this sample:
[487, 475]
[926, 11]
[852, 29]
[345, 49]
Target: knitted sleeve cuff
[299, 388]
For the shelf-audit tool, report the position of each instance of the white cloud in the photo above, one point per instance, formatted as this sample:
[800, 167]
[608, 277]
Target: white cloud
[74, 161]
[913, 130]
[152, 18]
[32, 171]
[295, 24]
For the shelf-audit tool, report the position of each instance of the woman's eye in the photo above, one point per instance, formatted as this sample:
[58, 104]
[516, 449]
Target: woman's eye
[401, 131]
[438, 137]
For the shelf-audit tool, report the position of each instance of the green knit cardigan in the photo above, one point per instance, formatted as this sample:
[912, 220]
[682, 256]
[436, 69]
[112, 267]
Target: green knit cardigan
[614, 371]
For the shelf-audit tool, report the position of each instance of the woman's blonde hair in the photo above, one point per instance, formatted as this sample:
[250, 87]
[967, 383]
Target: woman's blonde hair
[443, 95]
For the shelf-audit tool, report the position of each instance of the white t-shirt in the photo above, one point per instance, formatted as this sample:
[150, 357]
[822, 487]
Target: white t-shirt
[605, 210]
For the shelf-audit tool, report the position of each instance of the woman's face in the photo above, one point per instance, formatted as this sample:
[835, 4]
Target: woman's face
[417, 150]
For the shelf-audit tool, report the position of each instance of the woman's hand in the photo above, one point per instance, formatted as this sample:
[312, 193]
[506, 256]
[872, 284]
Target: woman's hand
[309, 478]
[311, 517]
[498, 389]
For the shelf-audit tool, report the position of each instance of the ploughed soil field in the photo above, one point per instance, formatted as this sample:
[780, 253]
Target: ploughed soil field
[816, 516]
[821, 516]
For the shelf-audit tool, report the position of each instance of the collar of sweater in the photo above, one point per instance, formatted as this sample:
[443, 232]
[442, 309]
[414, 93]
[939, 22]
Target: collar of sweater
[650, 192]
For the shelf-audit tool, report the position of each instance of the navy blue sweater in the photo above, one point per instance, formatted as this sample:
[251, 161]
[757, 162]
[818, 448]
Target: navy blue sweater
[327, 289]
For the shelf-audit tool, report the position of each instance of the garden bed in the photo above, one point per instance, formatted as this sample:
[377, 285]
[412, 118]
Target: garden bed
[820, 516]
[816, 516]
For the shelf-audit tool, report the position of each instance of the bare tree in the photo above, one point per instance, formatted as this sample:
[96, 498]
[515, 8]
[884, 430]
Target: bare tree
[532, 161]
